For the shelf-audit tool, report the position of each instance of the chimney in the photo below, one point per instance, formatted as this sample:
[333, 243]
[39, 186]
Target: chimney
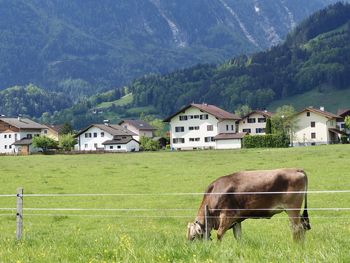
[106, 122]
[322, 108]
[19, 118]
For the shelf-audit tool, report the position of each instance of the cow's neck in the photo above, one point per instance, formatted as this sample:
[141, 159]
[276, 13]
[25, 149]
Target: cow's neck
[201, 215]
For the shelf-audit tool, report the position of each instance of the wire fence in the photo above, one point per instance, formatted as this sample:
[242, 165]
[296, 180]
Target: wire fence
[176, 194]
[159, 212]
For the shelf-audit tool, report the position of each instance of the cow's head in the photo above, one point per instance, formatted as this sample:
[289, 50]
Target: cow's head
[194, 230]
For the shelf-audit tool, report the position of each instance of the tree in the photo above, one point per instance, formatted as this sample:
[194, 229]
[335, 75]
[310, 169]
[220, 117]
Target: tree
[347, 122]
[44, 143]
[283, 121]
[268, 129]
[67, 128]
[67, 141]
[243, 110]
[147, 144]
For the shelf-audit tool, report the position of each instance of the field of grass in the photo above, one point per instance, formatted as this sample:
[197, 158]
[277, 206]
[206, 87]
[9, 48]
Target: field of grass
[332, 100]
[125, 100]
[159, 235]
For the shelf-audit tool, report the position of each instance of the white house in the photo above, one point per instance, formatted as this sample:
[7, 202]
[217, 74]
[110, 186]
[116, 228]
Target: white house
[254, 123]
[108, 137]
[16, 135]
[315, 126]
[203, 126]
[139, 127]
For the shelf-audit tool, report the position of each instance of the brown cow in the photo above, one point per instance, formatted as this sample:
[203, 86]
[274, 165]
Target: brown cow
[228, 206]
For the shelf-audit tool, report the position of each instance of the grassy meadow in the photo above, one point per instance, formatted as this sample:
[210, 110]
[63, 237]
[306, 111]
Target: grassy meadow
[158, 235]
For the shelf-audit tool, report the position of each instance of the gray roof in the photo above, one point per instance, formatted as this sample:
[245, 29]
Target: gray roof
[120, 140]
[112, 129]
[139, 124]
[24, 141]
[22, 123]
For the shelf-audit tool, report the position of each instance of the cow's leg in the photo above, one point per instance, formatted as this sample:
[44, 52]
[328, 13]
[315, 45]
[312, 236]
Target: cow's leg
[297, 228]
[226, 222]
[237, 230]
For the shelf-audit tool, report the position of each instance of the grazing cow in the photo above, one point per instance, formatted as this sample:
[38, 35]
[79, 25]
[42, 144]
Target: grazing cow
[228, 206]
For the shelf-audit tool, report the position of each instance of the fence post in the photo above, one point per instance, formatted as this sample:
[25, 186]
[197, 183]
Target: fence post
[206, 223]
[19, 214]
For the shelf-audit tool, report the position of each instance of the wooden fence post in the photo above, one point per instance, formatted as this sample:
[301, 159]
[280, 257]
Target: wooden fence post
[206, 223]
[19, 214]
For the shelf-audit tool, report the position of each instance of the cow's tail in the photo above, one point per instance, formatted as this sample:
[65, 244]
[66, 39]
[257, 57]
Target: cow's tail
[305, 217]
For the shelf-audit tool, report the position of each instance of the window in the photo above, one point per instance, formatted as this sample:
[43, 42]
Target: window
[178, 140]
[10, 146]
[210, 128]
[111, 147]
[190, 116]
[191, 128]
[88, 135]
[261, 120]
[45, 131]
[95, 145]
[194, 139]
[29, 136]
[196, 116]
[308, 114]
[86, 145]
[10, 136]
[251, 120]
[204, 116]
[5, 136]
[232, 127]
[179, 129]
[313, 135]
[103, 135]
[226, 127]
[313, 124]
[183, 118]
[118, 147]
[208, 139]
[247, 130]
[260, 130]
[342, 126]
[95, 134]
[5, 146]
[16, 137]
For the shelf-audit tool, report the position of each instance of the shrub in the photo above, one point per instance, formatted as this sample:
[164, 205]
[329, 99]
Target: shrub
[266, 141]
[147, 144]
[44, 143]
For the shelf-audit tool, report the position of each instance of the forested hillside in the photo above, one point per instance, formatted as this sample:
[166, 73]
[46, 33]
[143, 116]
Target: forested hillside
[31, 101]
[84, 47]
[316, 55]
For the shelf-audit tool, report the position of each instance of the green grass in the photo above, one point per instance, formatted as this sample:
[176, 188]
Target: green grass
[159, 236]
[332, 100]
[125, 100]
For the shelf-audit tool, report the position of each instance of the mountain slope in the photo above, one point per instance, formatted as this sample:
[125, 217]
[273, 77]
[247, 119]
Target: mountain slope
[315, 56]
[92, 46]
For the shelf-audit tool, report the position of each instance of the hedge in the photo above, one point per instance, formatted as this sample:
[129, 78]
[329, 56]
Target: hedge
[266, 141]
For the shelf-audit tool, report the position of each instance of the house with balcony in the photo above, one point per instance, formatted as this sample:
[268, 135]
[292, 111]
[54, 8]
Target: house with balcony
[203, 126]
[316, 126]
[106, 137]
[254, 122]
[342, 113]
[16, 135]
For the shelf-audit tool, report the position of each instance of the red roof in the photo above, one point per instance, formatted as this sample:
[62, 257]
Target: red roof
[264, 113]
[211, 109]
[230, 136]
